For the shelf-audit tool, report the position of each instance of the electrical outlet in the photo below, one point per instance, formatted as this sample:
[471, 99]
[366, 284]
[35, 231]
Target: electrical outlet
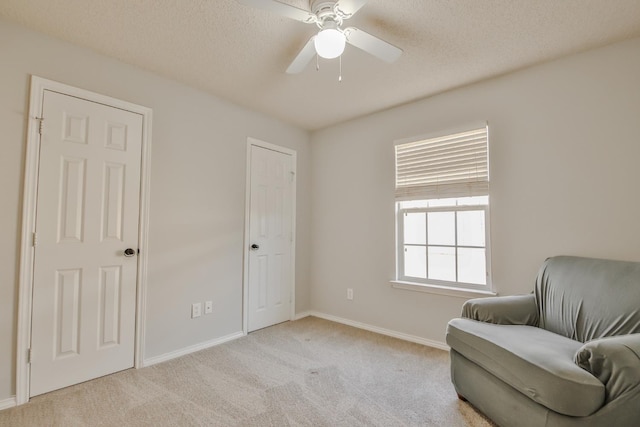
[208, 307]
[349, 294]
[196, 310]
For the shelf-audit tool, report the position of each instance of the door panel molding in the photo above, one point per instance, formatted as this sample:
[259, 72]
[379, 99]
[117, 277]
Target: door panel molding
[30, 191]
[247, 238]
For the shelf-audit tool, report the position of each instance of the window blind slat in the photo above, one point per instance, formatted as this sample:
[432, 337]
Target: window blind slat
[438, 179]
[478, 174]
[469, 161]
[447, 166]
[410, 147]
[476, 153]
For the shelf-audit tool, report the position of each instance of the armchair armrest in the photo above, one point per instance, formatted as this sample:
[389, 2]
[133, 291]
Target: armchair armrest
[507, 310]
[615, 361]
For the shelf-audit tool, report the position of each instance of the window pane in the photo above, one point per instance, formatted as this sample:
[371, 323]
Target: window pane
[473, 201]
[408, 204]
[435, 203]
[472, 266]
[415, 228]
[438, 203]
[442, 263]
[415, 261]
[471, 228]
[442, 230]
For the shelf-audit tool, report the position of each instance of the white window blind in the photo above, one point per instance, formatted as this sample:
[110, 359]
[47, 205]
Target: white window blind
[453, 165]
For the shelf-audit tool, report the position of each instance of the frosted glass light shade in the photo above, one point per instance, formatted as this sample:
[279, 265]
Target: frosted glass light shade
[329, 43]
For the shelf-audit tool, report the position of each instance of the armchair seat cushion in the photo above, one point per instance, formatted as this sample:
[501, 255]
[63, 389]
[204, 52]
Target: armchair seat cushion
[535, 362]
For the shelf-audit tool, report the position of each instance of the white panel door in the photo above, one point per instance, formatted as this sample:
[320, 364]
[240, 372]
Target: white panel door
[84, 289]
[271, 235]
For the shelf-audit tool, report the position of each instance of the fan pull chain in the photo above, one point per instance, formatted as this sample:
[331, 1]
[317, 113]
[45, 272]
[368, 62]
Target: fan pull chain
[317, 63]
[340, 73]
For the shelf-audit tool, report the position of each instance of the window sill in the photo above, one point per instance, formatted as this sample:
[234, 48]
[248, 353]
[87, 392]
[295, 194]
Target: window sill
[442, 290]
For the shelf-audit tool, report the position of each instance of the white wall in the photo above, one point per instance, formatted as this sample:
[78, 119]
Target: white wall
[197, 190]
[564, 153]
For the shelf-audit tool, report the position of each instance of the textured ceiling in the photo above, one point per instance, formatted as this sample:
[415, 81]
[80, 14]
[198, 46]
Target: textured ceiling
[240, 54]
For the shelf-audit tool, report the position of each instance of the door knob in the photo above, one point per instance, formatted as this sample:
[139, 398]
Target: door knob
[129, 252]
[255, 247]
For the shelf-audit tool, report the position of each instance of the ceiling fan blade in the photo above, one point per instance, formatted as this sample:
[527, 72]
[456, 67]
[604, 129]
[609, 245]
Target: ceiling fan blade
[281, 9]
[304, 57]
[373, 45]
[346, 8]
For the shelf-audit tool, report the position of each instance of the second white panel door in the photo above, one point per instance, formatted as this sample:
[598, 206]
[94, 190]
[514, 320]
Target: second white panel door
[271, 237]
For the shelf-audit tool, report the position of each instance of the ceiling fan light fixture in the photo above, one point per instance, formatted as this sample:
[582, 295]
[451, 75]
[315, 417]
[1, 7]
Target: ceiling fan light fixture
[330, 43]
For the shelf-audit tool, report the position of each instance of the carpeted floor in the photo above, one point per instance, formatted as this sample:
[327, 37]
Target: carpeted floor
[310, 372]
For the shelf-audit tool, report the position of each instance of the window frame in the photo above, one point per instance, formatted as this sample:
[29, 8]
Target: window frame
[400, 245]
[421, 187]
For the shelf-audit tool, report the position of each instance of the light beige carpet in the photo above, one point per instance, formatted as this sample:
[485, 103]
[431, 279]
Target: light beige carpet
[310, 372]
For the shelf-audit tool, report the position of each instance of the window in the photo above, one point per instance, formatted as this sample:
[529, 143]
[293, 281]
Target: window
[442, 205]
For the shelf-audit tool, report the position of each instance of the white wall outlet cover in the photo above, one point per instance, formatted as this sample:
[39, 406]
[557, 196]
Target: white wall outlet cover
[349, 293]
[196, 310]
[208, 307]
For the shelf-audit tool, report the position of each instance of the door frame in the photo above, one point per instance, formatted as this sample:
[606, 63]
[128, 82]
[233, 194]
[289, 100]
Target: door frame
[29, 205]
[247, 238]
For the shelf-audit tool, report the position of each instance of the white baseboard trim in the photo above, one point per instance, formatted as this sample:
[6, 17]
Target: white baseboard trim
[382, 331]
[301, 315]
[8, 403]
[191, 349]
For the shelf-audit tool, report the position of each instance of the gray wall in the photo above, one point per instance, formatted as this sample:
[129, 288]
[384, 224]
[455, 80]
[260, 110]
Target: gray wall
[564, 153]
[197, 190]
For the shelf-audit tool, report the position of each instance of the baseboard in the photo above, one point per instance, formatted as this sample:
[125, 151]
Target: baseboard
[382, 331]
[302, 315]
[191, 349]
[8, 403]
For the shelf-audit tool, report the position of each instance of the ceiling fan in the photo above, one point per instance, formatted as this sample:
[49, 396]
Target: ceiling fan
[331, 38]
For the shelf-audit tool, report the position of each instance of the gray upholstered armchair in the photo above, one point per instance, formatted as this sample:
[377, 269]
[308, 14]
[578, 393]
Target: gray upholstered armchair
[566, 355]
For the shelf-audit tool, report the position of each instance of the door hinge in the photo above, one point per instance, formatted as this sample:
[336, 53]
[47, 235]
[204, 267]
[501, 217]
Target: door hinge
[29, 356]
[40, 124]
[293, 175]
[35, 239]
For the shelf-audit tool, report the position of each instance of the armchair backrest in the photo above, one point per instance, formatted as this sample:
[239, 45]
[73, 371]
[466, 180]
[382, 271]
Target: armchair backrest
[586, 298]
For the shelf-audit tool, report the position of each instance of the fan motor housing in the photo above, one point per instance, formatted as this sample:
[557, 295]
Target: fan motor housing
[325, 12]
[322, 7]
